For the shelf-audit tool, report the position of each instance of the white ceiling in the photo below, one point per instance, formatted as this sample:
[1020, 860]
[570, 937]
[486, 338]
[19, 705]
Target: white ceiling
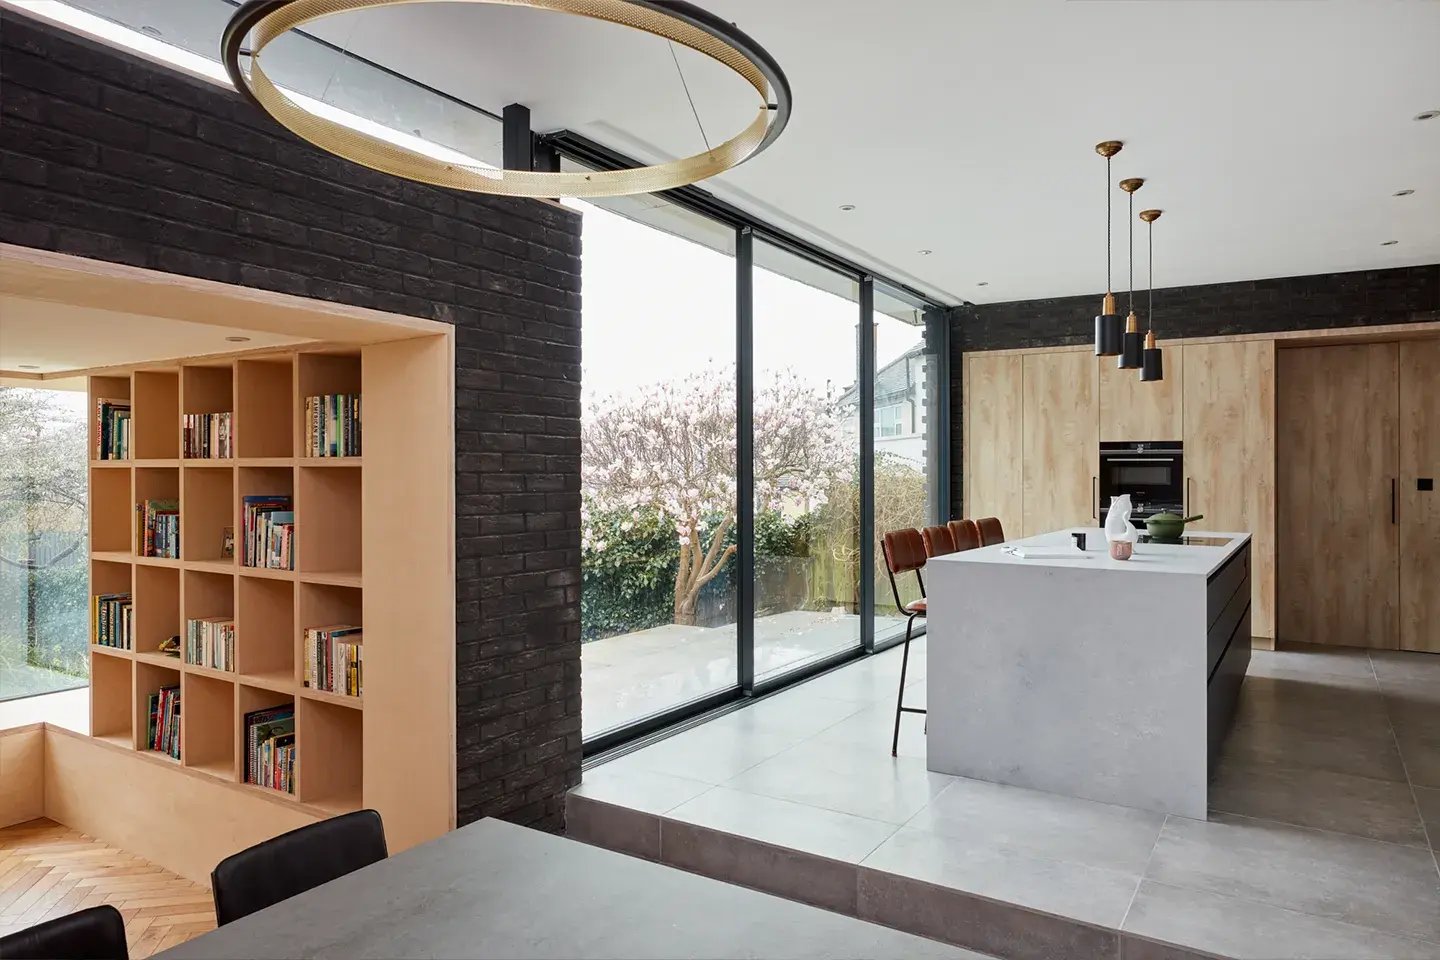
[1273, 134]
[55, 337]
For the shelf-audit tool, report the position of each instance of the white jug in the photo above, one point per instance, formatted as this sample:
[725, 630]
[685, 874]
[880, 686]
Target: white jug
[1117, 521]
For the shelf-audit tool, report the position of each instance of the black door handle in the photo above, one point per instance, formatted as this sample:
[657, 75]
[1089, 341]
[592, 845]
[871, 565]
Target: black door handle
[1095, 497]
[1394, 517]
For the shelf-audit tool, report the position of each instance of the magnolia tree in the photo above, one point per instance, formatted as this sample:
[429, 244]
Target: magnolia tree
[671, 447]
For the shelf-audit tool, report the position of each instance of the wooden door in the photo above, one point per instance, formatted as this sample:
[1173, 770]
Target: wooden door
[1337, 563]
[1132, 410]
[1419, 509]
[992, 441]
[1229, 403]
[1061, 440]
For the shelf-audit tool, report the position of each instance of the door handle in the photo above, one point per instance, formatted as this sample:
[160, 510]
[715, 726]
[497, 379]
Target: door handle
[1394, 496]
[1186, 505]
[1095, 497]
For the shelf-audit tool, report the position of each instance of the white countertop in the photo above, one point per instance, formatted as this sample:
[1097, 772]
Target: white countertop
[1147, 557]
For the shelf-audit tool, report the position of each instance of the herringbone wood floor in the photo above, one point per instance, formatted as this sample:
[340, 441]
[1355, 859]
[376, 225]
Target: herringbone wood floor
[48, 870]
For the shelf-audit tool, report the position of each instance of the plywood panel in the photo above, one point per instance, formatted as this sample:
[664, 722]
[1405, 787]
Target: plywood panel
[1337, 568]
[1229, 404]
[1419, 509]
[994, 405]
[1133, 410]
[184, 821]
[409, 608]
[22, 774]
[1061, 441]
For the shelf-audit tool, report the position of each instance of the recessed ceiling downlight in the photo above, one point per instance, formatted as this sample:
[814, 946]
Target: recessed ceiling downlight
[1402, 193]
[925, 253]
[238, 339]
[983, 283]
[1428, 115]
[847, 207]
[1389, 243]
[28, 366]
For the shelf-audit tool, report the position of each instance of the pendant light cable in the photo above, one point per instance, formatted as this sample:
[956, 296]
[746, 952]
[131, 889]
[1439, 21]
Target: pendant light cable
[1132, 251]
[1150, 309]
[1108, 229]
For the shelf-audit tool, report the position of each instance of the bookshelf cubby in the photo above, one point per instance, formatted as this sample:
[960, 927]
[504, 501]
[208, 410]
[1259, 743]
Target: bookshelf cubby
[270, 607]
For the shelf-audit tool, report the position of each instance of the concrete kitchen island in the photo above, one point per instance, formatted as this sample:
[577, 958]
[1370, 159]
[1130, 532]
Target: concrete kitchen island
[1081, 675]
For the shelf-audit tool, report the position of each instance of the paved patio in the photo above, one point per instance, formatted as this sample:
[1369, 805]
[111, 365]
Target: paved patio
[626, 677]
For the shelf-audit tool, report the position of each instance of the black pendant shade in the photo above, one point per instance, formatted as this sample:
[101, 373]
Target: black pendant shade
[1152, 365]
[1133, 344]
[1109, 335]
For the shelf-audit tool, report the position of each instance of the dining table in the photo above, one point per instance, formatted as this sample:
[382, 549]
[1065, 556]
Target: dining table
[494, 889]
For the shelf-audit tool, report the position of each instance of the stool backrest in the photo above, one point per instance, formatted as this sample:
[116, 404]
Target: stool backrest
[937, 540]
[990, 531]
[965, 534]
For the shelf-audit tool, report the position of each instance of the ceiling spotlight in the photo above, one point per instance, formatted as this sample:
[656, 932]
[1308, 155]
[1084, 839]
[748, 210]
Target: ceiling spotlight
[847, 207]
[1389, 243]
[1428, 115]
[238, 339]
[1402, 193]
[28, 366]
[983, 283]
[926, 253]
[151, 31]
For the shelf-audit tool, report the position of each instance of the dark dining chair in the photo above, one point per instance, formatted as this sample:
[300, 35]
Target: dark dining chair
[290, 864]
[965, 534]
[990, 531]
[97, 933]
[937, 541]
[905, 551]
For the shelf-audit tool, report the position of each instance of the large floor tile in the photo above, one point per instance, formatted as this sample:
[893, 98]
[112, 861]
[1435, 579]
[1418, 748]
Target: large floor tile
[638, 789]
[1429, 800]
[993, 817]
[1367, 883]
[870, 681]
[1364, 807]
[1413, 706]
[1301, 702]
[792, 714]
[1338, 751]
[824, 833]
[1090, 894]
[1405, 665]
[874, 727]
[856, 778]
[707, 753]
[1245, 929]
[1315, 658]
[1422, 757]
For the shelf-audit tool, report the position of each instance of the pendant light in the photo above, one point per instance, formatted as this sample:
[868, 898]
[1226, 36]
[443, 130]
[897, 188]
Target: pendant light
[1152, 366]
[1109, 330]
[1130, 348]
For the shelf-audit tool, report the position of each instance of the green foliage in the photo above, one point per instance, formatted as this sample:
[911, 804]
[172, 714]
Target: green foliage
[627, 573]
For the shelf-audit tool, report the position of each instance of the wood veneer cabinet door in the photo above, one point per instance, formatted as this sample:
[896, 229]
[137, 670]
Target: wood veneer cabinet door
[1229, 392]
[1419, 510]
[1132, 410]
[1337, 564]
[994, 407]
[1061, 441]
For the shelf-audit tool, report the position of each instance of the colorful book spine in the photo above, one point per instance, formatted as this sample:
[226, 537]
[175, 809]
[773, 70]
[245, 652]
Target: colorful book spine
[207, 436]
[163, 730]
[268, 531]
[270, 753]
[113, 615]
[158, 529]
[334, 659]
[332, 425]
[210, 642]
[112, 430]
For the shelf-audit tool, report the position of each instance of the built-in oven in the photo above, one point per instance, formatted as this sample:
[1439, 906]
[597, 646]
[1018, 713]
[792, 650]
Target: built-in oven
[1151, 471]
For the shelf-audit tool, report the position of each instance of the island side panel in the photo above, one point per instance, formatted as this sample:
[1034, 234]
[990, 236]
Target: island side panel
[1087, 683]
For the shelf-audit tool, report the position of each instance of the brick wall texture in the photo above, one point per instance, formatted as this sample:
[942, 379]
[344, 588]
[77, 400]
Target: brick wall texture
[108, 156]
[1361, 298]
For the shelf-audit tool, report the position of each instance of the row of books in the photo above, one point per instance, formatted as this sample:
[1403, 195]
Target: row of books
[210, 642]
[112, 433]
[158, 534]
[333, 659]
[270, 748]
[114, 620]
[269, 532]
[206, 436]
[164, 729]
[332, 425]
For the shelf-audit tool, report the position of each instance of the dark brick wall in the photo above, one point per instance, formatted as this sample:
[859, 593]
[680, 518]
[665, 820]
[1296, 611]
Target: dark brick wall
[1362, 298]
[112, 157]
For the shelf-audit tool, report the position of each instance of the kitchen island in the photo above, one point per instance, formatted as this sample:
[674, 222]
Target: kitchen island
[1077, 674]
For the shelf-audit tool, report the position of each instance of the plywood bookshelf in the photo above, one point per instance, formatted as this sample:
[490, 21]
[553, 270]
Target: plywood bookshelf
[271, 607]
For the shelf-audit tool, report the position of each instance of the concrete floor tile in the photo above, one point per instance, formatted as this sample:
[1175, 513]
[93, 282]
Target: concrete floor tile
[825, 833]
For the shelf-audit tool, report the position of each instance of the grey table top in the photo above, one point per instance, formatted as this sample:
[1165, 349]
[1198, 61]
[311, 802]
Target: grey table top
[492, 889]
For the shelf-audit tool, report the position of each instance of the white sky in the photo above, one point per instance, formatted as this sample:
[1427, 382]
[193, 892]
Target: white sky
[657, 307]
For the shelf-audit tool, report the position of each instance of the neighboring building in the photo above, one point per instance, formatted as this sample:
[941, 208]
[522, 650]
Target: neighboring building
[899, 408]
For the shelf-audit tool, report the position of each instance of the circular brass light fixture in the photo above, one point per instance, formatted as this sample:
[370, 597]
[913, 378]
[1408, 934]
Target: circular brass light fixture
[674, 20]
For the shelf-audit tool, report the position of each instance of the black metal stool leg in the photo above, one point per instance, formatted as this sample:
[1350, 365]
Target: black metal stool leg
[900, 694]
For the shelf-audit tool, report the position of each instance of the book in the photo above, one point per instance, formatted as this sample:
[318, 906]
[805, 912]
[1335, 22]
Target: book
[268, 532]
[113, 618]
[334, 659]
[112, 429]
[206, 436]
[270, 752]
[210, 642]
[158, 529]
[163, 729]
[332, 425]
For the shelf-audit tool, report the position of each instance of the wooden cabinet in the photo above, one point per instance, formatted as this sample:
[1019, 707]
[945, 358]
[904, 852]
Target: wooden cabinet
[1061, 441]
[1419, 508]
[1229, 418]
[1337, 569]
[992, 439]
[1134, 410]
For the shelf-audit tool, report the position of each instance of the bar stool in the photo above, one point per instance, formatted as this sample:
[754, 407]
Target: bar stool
[937, 540]
[965, 534]
[990, 531]
[905, 550]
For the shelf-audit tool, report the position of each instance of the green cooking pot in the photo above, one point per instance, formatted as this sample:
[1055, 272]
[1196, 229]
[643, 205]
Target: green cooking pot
[1168, 526]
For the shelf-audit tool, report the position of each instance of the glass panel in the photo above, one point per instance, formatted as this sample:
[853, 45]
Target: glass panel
[807, 509]
[903, 496]
[657, 466]
[44, 553]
